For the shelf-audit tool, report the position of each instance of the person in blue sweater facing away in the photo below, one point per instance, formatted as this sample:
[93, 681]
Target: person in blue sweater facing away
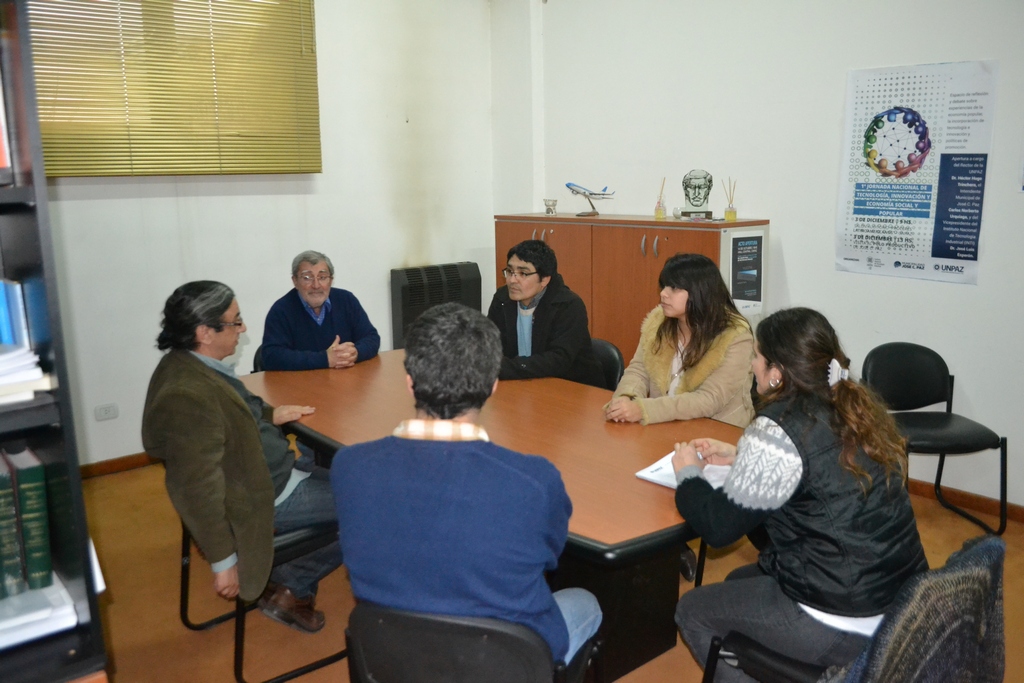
[316, 325]
[438, 519]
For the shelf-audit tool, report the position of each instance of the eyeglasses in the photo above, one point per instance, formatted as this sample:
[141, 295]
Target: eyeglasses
[307, 278]
[236, 323]
[519, 274]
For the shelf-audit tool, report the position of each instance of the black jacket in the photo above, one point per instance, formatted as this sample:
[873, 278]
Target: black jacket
[561, 341]
[833, 547]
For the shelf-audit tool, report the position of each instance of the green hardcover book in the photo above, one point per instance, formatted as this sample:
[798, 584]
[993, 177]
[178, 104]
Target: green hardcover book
[12, 579]
[33, 517]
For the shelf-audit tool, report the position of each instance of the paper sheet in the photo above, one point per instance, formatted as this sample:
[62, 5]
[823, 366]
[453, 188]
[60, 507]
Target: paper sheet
[662, 473]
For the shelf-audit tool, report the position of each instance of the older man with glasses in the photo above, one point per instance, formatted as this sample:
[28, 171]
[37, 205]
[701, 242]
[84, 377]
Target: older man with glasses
[543, 323]
[315, 325]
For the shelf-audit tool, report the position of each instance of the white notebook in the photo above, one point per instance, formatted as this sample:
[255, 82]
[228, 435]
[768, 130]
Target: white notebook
[662, 473]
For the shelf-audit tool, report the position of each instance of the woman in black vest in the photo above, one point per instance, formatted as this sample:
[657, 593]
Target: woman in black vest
[823, 469]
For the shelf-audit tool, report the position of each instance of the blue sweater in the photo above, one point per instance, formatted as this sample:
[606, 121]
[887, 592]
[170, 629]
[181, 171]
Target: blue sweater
[460, 528]
[293, 341]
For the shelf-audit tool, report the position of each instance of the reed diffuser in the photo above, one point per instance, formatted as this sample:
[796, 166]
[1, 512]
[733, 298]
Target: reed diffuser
[730, 196]
[659, 208]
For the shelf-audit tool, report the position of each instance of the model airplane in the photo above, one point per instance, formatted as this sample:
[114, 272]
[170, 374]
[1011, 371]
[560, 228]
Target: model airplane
[589, 195]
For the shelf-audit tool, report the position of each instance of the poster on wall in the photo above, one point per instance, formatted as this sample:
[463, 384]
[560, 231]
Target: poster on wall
[742, 261]
[912, 184]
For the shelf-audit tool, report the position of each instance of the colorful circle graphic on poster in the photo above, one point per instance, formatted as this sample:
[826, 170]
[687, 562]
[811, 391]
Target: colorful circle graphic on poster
[896, 142]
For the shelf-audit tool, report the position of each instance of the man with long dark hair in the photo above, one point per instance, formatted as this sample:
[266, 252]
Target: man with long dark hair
[231, 474]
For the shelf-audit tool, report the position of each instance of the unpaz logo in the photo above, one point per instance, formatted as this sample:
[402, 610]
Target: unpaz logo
[896, 142]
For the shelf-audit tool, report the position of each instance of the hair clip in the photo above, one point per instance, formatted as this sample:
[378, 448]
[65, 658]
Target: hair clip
[836, 372]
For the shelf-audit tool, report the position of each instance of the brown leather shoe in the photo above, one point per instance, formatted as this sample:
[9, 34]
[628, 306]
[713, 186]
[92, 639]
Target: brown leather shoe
[281, 605]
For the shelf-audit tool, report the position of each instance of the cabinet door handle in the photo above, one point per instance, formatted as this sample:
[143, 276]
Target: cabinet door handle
[656, 245]
[534, 235]
[643, 245]
[542, 234]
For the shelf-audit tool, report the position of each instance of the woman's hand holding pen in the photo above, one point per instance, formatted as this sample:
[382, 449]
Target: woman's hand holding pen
[685, 456]
[701, 452]
[715, 452]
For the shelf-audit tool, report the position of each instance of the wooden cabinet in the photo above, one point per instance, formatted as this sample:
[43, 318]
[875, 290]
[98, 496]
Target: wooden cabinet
[627, 261]
[613, 262]
[45, 422]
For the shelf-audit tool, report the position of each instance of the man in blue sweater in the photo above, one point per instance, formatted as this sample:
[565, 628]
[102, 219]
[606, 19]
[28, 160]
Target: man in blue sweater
[437, 519]
[316, 325]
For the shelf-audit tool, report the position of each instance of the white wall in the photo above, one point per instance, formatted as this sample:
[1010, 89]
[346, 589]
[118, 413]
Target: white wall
[517, 101]
[635, 91]
[406, 139]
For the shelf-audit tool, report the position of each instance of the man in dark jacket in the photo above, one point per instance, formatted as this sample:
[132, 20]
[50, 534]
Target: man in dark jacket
[543, 323]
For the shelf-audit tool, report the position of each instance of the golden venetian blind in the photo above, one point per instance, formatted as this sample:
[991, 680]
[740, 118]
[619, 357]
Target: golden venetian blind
[176, 87]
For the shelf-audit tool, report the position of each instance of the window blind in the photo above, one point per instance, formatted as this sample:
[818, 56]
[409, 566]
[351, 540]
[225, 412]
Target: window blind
[176, 87]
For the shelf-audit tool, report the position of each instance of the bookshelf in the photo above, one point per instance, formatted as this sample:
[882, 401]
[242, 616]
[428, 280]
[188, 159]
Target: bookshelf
[26, 256]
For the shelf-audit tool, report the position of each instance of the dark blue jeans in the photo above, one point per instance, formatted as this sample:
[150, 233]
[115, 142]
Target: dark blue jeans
[752, 603]
[311, 502]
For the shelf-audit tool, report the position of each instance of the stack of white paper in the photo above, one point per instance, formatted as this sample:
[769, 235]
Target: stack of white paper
[662, 473]
[20, 374]
[36, 613]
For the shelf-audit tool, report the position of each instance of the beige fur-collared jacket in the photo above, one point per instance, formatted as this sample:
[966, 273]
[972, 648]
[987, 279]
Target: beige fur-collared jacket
[718, 386]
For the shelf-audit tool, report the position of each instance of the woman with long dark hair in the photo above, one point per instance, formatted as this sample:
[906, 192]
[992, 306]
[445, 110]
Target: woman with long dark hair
[694, 355]
[823, 469]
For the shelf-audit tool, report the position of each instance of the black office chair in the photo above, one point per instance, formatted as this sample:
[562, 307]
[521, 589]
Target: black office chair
[610, 359]
[396, 646]
[257, 359]
[287, 547]
[945, 625]
[909, 376]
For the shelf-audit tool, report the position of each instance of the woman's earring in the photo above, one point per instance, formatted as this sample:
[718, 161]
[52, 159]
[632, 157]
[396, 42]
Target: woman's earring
[774, 382]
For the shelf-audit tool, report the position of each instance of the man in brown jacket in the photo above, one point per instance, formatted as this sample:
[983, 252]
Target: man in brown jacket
[230, 472]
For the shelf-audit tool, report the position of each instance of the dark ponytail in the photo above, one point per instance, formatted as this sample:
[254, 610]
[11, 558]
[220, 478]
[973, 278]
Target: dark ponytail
[801, 343]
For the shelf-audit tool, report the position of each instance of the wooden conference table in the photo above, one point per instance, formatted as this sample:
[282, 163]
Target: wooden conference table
[625, 534]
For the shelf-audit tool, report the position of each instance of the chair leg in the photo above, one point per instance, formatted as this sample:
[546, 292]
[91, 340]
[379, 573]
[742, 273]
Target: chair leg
[1002, 493]
[241, 610]
[238, 614]
[597, 662]
[186, 564]
[1002, 486]
[702, 554]
[712, 662]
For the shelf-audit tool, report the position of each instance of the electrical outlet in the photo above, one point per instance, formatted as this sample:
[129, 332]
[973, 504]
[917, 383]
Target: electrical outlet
[107, 411]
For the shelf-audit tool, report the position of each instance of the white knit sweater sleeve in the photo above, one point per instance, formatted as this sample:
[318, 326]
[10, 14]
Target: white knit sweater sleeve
[767, 469]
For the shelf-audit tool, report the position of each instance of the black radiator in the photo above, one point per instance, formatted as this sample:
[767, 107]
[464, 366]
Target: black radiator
[414, 290]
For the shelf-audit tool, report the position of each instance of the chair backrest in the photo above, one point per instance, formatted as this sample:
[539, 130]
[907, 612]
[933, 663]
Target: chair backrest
[257, 359]
[945, 625]
[907, 376]
[394, 646]
[612, 363]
